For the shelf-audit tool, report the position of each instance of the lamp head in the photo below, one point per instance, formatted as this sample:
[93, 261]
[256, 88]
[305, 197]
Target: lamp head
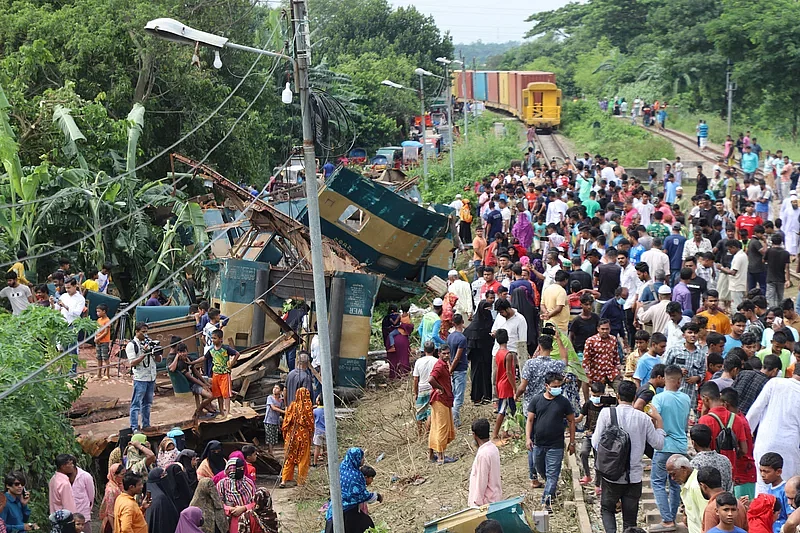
[286, 94]
[422, 72]
[443, 60]
[173, 30]
[392, 84]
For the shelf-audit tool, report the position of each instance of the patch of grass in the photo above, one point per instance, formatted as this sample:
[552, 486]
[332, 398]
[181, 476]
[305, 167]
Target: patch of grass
[599, 133]
[684, 121]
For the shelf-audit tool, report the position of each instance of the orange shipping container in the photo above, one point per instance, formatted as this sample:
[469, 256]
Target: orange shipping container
[514, 93]
[503, 84]
[470, 92]
[457, 85]
[527, 77]
[492, 87]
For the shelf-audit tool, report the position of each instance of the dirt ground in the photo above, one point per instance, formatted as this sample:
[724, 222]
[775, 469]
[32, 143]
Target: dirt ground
[415, 491]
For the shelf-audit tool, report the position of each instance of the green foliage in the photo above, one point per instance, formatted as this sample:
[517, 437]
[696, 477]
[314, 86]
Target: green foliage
[35, 425]
[379, 528]
[597, 132]
[473, 160]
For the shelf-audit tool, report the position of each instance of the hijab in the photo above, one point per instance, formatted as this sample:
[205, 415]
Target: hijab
[520, 302]
[62, 521]
[113, 490]
[166, 456]
[185, 459]
[482, 321]
[213, 452]
[223, 474]
[177, 486]
[236, 489]
[300, 412]
[523, 230]
[760, 514]
[261, 515]
[190, 521]
[162, 515]
[354, 485]
[207, 498]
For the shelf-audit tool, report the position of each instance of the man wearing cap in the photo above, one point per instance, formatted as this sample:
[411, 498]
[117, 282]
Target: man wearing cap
[463, 290]
[790, 216]
[674, 245]
[430, 325]
[657, 314]
[457, 204]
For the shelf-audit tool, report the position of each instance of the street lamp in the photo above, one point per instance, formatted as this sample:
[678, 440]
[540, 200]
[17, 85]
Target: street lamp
[172, 30]
[421, 72]
[446, 63]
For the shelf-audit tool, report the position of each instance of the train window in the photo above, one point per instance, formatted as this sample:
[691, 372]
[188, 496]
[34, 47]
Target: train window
[388, 263]
[353, 219]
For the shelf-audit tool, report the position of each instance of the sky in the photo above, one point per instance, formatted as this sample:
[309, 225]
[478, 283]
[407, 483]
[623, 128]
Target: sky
[491, 22]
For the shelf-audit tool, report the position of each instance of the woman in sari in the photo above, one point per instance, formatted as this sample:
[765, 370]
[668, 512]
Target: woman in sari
[354, 493]
[479, 353]
[212, 462]
[162, 514]
[207, 498]
[399, 359]
[298, 428]
[113, 489]
[236, 492]
[167, 453]
[523, 230]
[189, 461]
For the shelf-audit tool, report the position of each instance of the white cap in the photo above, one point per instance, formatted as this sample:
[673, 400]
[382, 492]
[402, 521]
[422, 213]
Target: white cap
[438, 302]
[452, 273]
[458, 196]
[664, 289]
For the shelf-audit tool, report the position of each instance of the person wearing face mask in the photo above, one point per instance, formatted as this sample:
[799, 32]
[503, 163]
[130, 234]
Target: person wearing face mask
[548, 413]
[236, 492]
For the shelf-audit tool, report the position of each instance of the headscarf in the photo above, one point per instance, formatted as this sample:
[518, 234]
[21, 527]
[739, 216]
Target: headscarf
[262, 515]
[133, 457]
[234, 455]
[185, 459]
[162, 514]
[166, 457]
[300, 413]
[481, 324]
[760, 514]
[207, 498]
[62, 521]
[236, 489]
[520, 300]
[523, 230]
[213, 453]
[177, 436]
[113, 490]
[190, 520]
[354, 486]
[177, 486]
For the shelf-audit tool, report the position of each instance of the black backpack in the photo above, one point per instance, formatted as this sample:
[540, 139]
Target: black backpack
[726, 440]
[613, 459]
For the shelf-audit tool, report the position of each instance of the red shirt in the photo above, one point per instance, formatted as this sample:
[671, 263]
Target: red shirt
[441, 372]
[504, 387]
[494, 286]
[739, 432]
[745, 466]
[747, 223]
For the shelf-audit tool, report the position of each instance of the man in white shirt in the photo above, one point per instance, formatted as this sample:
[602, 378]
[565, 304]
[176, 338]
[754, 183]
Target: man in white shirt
[515, 324]
[143, 365]
[505, 211]
[463, 290]
[645, 209]
[656, 259]
[421, 387]
[556, 210]
[71, 305]
[629, 280]
[457, 204]
[606, 172]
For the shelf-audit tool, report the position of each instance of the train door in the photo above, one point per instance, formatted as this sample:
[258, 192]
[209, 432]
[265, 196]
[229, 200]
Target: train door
[538, 104]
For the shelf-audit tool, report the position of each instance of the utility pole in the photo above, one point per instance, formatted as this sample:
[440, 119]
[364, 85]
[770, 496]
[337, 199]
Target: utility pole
[730, 88]
[302, 53]
[424, 136]
[464, 91]
[450, 122]
[474, 70]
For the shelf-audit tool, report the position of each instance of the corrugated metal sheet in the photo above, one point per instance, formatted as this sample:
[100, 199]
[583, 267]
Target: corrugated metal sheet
[535, 76]
[502, 78]
[470, 92]
[514, 93]
[480, 86]
[492, 87]
[458, 90]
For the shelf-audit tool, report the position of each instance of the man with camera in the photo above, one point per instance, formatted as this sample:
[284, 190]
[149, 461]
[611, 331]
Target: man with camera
[143, 355]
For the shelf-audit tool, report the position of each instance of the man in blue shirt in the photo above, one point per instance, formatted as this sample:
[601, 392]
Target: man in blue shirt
[16, 512]
[494, 218]
[673, 245]
[749, 162]
[327, 169]
[614, 311]
[458, 365]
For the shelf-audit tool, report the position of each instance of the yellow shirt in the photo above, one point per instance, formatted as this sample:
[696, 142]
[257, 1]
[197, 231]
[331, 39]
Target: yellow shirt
[91, 285]
[19, 268]
[718, 322]
[552, 297]
[128, 517]
[694, 503]
[630, 364]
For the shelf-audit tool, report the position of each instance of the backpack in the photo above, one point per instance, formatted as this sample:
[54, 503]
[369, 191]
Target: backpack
[726, 440]
[466, 214]
[613, 457]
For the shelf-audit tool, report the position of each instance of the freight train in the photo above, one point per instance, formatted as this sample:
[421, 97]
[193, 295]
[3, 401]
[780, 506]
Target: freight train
[531, 96]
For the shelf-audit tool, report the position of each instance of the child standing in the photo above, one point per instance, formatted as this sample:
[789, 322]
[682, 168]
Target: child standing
[771, 468]
[214, 323]
[539, 232]
[319, 432]
[80, 522]
[642, 341]
[505, 380]
[762, 513]
[272, 421]
[223, 358]
[102, 341]
[727, 510]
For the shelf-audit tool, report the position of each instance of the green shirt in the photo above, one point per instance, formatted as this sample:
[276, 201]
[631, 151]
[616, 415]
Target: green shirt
[219, 359]
[592, 207]
[785, 356]
[658, 230]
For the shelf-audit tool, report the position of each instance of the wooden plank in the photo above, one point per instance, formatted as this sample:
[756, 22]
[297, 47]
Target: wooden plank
[275, 317]
[244, 387]
[278, 345]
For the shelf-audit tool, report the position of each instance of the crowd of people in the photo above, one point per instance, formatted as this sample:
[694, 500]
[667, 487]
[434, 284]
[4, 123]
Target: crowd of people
[647, 320]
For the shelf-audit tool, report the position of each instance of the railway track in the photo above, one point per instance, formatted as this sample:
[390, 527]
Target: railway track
[550, 146]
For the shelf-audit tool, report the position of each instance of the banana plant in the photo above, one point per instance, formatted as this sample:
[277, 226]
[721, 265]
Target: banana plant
[188, 215]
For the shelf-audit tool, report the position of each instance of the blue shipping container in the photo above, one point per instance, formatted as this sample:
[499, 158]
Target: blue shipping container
[479, 86]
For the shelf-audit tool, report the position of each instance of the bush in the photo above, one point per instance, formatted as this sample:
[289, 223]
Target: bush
[600, 133]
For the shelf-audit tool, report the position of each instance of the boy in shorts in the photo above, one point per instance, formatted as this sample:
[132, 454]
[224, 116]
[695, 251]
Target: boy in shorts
[181, 364]
[319, 432]
[102, 342]
[223, 358]
[505, 379]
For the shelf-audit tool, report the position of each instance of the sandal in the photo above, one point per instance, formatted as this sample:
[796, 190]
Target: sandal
[447, 461]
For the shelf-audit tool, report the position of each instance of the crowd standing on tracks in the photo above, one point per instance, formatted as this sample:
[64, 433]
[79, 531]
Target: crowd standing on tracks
[585, 279]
